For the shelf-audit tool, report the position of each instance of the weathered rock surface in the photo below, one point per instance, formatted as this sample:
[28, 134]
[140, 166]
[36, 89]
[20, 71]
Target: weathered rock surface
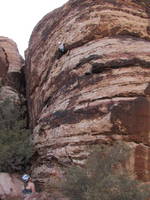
[10, 185]
[11, 64]
[12, 88]
[97, 92]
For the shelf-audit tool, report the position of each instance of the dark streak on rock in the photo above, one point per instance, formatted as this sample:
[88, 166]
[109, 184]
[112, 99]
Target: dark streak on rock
[16, 80]
[132, 117]
[119, 63]
[4, 65]
[72, 117]
[87, 60]
[6, 56]
[147, 90]
[148, 30]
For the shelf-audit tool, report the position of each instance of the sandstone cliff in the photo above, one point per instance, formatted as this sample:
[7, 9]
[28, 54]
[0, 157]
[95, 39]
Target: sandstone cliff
[12, 88]
[97, 92]
[11, 64]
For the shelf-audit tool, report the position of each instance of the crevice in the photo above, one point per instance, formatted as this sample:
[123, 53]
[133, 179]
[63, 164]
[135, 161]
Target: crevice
[118, 63]
[5, 66]
[87, 60]
[46, 102]
[6, 56]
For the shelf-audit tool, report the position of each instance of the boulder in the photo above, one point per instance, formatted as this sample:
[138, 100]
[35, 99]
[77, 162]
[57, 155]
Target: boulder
[11, 75]
[10, 185]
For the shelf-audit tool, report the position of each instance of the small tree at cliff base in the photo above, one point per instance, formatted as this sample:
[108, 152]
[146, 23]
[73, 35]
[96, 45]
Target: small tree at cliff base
[15, 144]
[103, 178]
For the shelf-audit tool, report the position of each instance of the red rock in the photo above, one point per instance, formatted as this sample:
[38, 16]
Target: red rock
[10, 185]
[98, 91]
[11, 64]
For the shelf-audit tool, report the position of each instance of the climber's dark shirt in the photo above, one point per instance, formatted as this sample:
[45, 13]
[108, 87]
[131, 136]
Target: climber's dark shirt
[27, 191]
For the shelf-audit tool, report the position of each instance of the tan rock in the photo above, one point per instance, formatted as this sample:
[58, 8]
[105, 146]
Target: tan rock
[12, 82]
[10, 185]
[98, 91]
[12, 88]
[12, 55]
[11, 64]
[3, 63]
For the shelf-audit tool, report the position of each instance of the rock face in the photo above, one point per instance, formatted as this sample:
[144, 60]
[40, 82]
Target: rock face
[11, 63]
[10, 185]
[98, 91]
[12, 88]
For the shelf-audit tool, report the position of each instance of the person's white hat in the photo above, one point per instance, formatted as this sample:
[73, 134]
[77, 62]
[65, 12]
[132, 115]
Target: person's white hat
[25, 177]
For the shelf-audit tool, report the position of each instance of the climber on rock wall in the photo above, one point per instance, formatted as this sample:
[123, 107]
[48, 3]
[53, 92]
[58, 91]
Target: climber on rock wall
[61, 49]
[29, 187]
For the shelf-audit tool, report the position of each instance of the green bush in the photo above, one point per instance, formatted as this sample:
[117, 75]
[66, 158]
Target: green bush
[103, 178]
[15, 144]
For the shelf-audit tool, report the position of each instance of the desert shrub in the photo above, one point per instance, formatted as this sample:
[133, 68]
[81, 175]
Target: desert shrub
[103, 177]
[15, 143]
